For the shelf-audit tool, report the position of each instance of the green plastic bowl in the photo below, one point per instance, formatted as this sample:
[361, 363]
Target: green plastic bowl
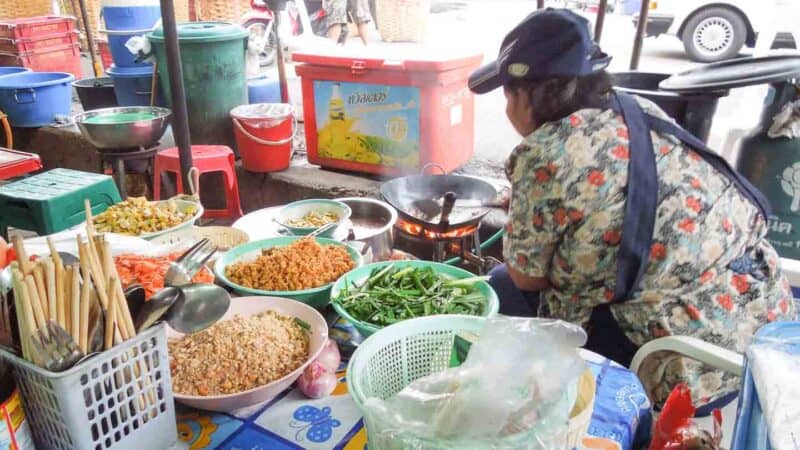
[359, 274]
[298, 210]
[316, 297]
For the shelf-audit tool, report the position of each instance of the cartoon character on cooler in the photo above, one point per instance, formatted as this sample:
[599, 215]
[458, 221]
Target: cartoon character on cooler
[790, 182]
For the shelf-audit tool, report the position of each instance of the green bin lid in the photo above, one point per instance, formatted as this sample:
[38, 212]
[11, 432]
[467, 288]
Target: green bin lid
[203, 32]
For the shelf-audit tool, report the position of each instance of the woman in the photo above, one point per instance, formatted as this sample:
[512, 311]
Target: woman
[621, 221]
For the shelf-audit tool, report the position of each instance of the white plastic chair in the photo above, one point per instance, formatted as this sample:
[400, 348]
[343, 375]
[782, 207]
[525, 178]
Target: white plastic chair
[710, 354]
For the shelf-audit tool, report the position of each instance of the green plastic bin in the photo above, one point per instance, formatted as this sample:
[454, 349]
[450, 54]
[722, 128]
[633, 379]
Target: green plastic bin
[52, 201]
[214, 76]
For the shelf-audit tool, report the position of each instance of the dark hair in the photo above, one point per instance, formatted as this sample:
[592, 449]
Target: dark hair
[552, 99]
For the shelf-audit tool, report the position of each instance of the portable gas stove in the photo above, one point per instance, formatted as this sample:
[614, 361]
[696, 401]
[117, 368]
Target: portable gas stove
[137, 160]
[449, 229]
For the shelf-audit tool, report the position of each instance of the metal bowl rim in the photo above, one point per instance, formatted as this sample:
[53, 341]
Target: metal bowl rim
[163, 113]
[384, 205]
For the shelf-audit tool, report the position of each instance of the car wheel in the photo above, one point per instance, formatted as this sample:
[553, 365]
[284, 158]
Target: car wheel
[714, 34]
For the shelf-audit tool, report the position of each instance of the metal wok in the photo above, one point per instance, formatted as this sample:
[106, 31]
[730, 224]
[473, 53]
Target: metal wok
[405, 193]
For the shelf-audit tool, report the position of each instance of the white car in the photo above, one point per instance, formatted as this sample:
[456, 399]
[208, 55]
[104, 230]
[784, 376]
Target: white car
[714, 30]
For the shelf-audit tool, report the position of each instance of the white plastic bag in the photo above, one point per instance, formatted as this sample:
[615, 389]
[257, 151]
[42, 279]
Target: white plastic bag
[775, 365]
[515, 390]
[140, 45]
[787, 122]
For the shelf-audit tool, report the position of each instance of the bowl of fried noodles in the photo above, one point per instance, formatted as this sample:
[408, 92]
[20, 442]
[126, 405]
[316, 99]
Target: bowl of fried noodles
[296, 267]
[304, 216]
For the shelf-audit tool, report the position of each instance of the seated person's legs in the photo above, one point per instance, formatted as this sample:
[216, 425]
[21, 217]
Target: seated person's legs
[513, 302]
[336, 16]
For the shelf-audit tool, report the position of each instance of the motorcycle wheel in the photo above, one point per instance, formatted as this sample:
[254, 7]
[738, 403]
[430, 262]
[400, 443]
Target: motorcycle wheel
[267, 57]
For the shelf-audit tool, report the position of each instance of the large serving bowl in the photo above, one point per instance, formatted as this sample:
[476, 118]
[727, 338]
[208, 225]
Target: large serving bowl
[298, 210]
[360, 274]
[250, 306]
[125, 127]
[183, 206]
[316, 297]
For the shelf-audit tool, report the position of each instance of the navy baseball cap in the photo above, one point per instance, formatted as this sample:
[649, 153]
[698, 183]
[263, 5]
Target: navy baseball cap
[548, 43]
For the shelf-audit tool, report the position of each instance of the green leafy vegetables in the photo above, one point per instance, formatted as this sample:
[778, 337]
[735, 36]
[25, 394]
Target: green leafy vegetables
[392, 294]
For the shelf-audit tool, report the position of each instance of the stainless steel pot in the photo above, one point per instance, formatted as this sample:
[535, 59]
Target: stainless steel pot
[373, 223]
[121, 133]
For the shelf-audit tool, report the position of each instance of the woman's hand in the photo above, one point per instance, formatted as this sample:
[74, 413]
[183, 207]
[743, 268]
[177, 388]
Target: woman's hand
[504, 199]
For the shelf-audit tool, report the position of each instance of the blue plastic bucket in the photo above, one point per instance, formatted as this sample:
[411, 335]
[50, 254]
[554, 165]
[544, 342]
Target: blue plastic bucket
[263, 89]
[35, 99]
[132, 85]
[130, 14]
[119, 53]
[10, 70]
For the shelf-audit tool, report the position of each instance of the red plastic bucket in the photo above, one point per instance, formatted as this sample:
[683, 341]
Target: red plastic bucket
[264, 134]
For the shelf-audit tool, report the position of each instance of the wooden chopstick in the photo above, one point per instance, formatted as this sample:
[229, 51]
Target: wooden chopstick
[25, 318]
[111, 313]
[50, 280]
[22, 256]
[83, 324]
[41, 287]
[62, 306]
[36, 305]
[75, 305]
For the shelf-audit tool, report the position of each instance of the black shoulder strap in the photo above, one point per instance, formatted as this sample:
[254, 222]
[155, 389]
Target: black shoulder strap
[641, 200]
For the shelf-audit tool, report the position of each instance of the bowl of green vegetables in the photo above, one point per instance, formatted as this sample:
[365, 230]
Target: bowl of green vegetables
[380, 294]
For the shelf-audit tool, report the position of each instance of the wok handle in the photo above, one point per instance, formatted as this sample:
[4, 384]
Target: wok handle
[447, 208]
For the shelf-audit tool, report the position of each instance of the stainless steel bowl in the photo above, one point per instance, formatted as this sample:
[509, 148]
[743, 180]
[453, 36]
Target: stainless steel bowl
[373, 223]
[124, 134]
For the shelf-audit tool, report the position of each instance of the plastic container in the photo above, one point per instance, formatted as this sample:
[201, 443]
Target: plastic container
[34, 27]
[23, 45]
[214, 76]
[263, 89]
[119, 53]
[96, 93]
[36, 99]
[10, 70]
[120, 399]
[15, 428]
[133, 85]
[413, 108]
[631, 7]
[55, 59]
[130, 14]
[692, 111]
[264, 134]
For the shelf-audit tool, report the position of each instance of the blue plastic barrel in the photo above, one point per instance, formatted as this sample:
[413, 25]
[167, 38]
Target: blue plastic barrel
[130, 14]
[263, 89]
[119, 53]
[631, 7]
[132, 85]
[11, 70]
[36, 99]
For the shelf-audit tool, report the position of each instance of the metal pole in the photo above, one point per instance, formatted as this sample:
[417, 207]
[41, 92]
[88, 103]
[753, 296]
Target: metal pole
[98, 71]
[180, 117]
[601, 18]
[639, 38]
[277, 7]
[539, 4]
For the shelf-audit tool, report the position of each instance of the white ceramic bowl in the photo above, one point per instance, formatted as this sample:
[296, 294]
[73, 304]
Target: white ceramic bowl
[250, 306]
[299, 209]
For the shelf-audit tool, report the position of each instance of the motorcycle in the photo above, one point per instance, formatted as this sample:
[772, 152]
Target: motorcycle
[260, 23]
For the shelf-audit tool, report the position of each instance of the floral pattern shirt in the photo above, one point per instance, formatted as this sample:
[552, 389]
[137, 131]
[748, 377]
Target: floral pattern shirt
[568, 202]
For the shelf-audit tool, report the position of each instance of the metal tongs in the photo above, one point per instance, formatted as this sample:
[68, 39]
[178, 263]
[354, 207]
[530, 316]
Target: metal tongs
[182, 270]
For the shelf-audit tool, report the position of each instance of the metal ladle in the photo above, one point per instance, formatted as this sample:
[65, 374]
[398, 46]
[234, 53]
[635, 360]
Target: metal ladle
[187, 309]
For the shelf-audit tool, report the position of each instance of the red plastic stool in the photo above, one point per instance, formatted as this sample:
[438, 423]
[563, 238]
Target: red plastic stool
[206, 158]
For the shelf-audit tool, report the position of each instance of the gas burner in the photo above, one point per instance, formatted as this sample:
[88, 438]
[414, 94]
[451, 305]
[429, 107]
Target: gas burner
[463, 242]
[133, 160]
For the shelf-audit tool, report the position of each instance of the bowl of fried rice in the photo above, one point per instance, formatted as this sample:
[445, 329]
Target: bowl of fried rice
[300, 268]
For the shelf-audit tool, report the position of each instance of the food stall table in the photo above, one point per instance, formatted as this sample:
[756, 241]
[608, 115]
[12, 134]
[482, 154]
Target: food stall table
[284, 423]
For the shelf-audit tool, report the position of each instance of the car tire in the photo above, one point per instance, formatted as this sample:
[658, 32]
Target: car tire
[714, 34]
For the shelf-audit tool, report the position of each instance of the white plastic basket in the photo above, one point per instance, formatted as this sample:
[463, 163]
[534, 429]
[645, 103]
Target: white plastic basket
[402, 20]
[120, 399]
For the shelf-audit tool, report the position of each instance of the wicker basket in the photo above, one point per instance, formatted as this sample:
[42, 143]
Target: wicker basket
[222, 10]
[28, 8]
[402, 20]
